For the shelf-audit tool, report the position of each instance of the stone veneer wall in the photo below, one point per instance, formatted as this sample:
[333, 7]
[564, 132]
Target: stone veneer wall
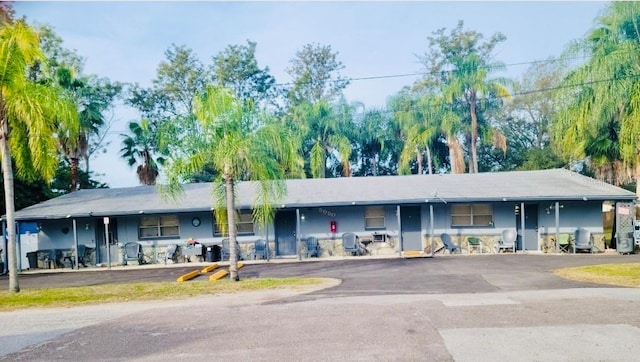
[333, 247]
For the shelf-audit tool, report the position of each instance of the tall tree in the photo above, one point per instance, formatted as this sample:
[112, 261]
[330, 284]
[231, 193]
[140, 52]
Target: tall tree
[92, 98]
[459, 65]
[322, 129]
[419, 118]
[179, 79]
[240, 143]
[376, 143]
[526, 120]
[315, 71]
[236, 68]
[29, 113]
[140, 147]
[602, 121]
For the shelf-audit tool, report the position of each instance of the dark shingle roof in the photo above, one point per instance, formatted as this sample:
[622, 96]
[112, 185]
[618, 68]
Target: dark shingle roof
[558, 184]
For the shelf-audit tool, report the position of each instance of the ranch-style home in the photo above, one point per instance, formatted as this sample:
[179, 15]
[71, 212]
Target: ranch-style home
[389, 214]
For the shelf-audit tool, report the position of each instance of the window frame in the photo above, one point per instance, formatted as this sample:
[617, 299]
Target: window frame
[380, 216]
[239, 223]
[475, 211]
[159, 226]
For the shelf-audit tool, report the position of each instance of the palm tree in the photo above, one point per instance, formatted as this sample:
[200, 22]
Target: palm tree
[323, 130]
[376, 143]
[469, 83]
[239, 144]
[29, 114]
[91, 100]
[419, 119]
[141, 147]
[602, 119]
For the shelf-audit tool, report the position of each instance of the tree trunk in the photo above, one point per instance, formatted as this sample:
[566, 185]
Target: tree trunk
[231, 221]
[429, 162]
[456, 156]
[73, 164]
[419, 161]
[7, 173]
[374, 167]
[86, 164]
[473, 165]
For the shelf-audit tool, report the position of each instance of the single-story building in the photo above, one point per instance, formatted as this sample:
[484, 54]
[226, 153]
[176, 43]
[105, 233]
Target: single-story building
[390, 214]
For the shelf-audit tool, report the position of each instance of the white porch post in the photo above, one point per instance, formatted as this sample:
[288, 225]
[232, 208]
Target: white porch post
[557, 214]
[400, 238]
[431, 228]
[75, 242]
[298, 249]
[522, 230]
[106, 238]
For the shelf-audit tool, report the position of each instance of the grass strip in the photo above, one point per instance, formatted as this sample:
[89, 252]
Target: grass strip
[109, 293]
[624, 274]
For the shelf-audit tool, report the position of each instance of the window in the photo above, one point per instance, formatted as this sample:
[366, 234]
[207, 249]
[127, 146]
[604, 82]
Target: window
[471, 215]
[374, 217]
[159, 226]
[244, 223]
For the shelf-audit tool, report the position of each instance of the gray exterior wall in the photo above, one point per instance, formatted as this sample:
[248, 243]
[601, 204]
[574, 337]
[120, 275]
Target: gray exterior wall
[348, 218]
[316, 222]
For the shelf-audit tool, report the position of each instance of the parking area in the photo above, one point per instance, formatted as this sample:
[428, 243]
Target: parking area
[361, 275]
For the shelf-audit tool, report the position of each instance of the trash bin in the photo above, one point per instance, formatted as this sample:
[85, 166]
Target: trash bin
[33, 259]
[212, 253]
[217, 253]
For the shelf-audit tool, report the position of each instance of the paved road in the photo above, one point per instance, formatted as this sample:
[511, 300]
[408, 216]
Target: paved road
[463, 308]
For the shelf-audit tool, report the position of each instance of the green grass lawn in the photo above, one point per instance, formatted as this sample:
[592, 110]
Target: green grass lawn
[626, 275]
[73, 296]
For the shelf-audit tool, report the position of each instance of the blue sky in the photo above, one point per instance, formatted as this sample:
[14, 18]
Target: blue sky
[125, 41]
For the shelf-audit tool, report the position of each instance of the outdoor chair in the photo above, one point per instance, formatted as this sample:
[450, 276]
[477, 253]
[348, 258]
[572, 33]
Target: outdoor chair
[582, 240]
[171, 253]
[260, 249]
[564, 243]
[132, 251]
[474, 243]
[507, 241]
[52, 260]
[313, 247]
[81, 254]
[449, 244]
[351, 245]
[225, 251]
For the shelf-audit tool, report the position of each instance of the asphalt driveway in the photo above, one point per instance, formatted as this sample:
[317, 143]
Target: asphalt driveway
[448, 308]
[367, 276]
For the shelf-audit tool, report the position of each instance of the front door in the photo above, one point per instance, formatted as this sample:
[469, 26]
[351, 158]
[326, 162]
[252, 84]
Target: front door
[530, 227]
[101, 245]
[411, 228]
[285, 231]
